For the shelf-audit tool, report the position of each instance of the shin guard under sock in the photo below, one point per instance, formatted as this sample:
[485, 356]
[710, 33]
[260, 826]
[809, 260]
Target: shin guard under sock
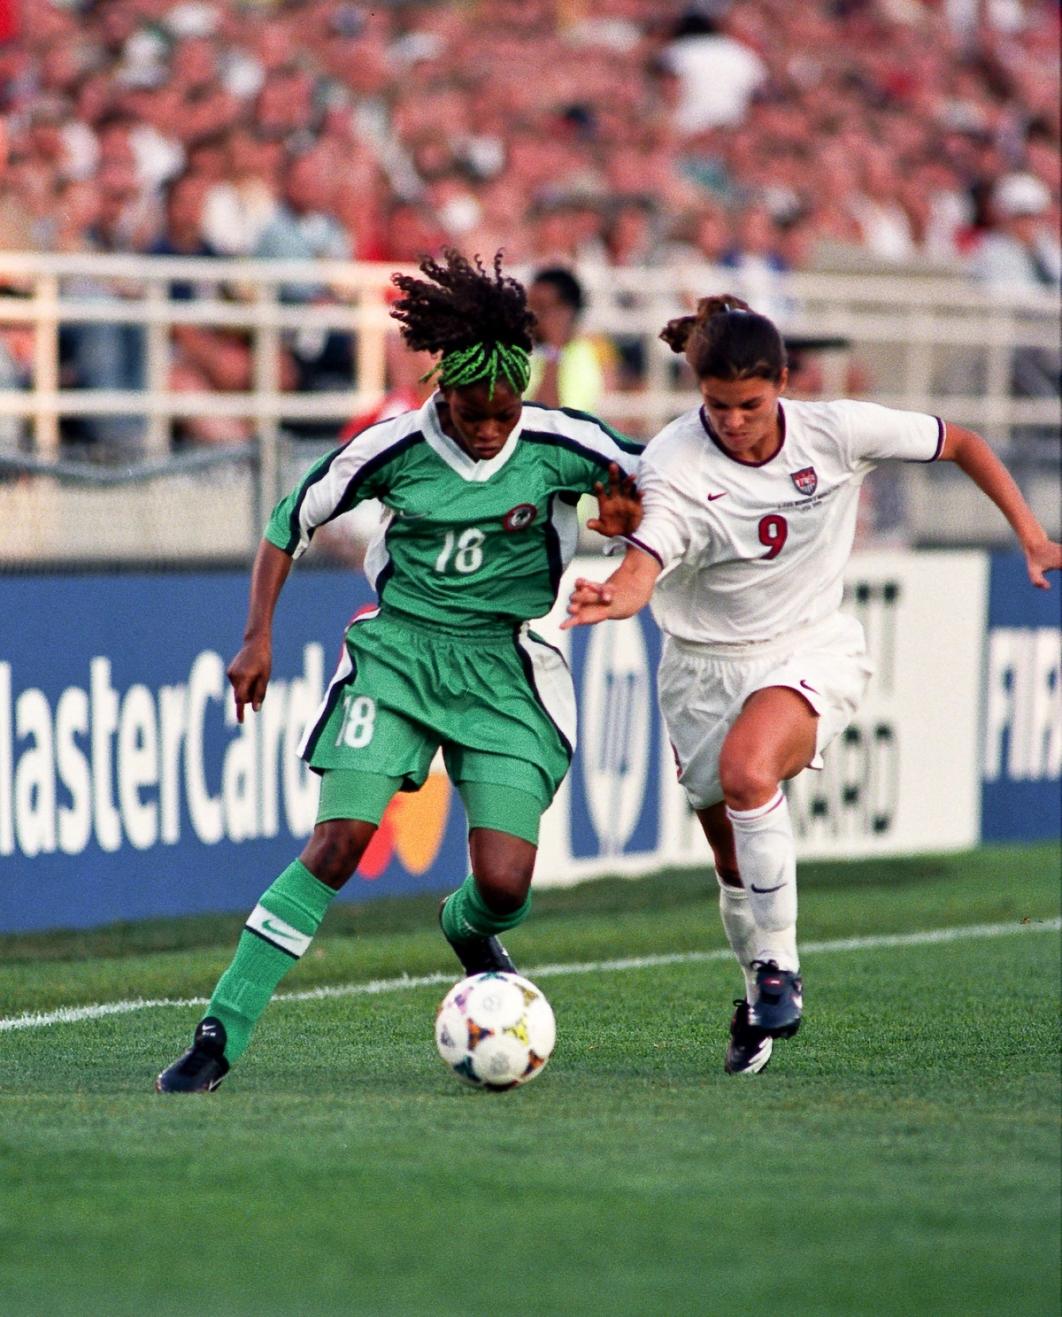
[740, 929]
[277, 933]
[766, 857]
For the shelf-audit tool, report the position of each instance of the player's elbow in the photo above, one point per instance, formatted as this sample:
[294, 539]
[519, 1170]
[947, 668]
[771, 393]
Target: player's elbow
[962, 445]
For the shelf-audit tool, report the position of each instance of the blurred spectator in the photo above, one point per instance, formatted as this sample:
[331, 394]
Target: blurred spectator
[717, 73]
[569, 231]
[410, 233]
[303, 228]
[1021, 250]
[884, 126]
[202, 359]
[105, 354]
[757, 260]
[884, 225]
[701, 237]
[632, 233]
[242, 201]
[181, 233]
[15, 230]
[16, 371]
[1020, 247]
[761, 132]
[567, 368]
[206, 361]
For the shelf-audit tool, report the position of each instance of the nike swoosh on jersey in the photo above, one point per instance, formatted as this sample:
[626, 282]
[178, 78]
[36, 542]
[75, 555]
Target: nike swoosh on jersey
[807, 687]
[713, 497]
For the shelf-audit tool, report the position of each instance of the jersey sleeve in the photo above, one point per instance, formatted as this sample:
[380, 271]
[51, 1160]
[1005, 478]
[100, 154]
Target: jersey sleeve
[664, 532]
[356, 471]
[876, 434]
[585, 447]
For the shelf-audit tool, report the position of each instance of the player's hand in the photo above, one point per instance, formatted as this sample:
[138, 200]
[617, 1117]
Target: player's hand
[590, 602]
[249, 674]
[619, 505]
[1044, 557]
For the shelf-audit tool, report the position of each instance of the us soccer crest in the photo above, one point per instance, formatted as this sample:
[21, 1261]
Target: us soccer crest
[806, 480]
[520, 517]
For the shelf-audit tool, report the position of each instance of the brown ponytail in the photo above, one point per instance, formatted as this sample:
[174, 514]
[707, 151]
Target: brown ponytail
[727, 340]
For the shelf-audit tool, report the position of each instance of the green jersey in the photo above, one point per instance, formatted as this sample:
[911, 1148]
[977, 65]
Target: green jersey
[468, 545]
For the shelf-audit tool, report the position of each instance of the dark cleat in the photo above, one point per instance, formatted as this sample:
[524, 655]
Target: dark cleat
[202, 1068]
[479, 955]
[779, 1000]
[749, 1048]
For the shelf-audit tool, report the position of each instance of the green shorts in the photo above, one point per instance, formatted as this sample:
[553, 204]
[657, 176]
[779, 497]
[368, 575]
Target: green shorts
[501, 707]
[349, 795]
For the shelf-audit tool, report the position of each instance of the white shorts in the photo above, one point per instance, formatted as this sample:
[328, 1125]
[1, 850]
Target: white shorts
[703, 688]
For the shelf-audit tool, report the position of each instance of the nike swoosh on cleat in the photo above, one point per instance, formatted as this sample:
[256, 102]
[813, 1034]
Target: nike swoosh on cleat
[762, 891]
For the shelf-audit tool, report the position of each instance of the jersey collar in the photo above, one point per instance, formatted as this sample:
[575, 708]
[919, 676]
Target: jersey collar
[454, 455]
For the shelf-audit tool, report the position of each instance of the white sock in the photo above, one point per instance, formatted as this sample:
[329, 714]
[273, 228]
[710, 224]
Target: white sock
[740, 929]
[766, 856]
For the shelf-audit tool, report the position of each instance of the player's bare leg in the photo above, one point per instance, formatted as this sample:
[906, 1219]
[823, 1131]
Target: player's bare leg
[493, 898]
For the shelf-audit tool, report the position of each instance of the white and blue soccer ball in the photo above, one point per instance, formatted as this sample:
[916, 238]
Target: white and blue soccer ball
[495, 1030]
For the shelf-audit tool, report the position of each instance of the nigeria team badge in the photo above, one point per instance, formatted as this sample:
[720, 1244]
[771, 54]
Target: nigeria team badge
[806, 480]
[520, 517]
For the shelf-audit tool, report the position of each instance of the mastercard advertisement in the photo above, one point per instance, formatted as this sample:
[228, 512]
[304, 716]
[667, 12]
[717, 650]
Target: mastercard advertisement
[129, 790]
[127, 787]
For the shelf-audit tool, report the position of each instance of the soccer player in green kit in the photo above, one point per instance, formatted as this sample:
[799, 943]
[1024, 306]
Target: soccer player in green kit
[481, 492]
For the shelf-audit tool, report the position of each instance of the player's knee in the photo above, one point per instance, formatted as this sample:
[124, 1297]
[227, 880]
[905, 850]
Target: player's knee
[504, 885]
[745, 782]
[334, 850]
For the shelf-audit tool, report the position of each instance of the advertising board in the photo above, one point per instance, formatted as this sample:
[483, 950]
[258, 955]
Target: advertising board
[1021, 752]
[128, 790]
[902, 779]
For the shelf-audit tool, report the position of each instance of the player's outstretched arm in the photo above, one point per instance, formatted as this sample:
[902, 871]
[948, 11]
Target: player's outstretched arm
[619, 505]
[626, 591]
[249, 671]
[971, 454]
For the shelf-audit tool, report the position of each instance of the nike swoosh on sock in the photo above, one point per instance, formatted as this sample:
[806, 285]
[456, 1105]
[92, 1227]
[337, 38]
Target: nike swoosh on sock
[762, 891]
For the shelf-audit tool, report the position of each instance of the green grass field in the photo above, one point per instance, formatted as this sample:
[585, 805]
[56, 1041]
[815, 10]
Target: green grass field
[900, 1156]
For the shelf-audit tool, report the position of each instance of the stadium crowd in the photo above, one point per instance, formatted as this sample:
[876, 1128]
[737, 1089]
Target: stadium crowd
[756, 135]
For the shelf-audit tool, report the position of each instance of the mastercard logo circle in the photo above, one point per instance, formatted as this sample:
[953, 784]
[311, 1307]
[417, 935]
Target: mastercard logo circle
[411, 830]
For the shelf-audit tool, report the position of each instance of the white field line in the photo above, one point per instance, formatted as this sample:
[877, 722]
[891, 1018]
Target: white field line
[933, 936]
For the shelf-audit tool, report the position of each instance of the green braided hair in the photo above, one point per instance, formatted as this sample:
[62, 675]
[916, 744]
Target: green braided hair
[476, 320]
[467, 365]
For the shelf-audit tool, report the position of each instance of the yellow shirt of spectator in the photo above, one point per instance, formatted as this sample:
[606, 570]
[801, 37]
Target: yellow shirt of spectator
[580, 373]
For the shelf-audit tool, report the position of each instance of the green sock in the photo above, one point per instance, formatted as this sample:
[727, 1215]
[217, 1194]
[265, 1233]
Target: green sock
[278, 931]
[466, 914]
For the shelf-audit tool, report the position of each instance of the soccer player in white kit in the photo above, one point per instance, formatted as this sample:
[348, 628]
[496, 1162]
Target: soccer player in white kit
[749, 518]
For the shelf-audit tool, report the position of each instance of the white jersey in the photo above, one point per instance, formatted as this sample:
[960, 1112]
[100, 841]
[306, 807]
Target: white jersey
[752, 551]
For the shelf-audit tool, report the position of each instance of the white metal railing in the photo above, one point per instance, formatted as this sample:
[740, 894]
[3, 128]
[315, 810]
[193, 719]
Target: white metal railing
[933, 344]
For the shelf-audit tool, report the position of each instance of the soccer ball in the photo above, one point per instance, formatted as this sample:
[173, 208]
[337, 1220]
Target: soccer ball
[495, 1030]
